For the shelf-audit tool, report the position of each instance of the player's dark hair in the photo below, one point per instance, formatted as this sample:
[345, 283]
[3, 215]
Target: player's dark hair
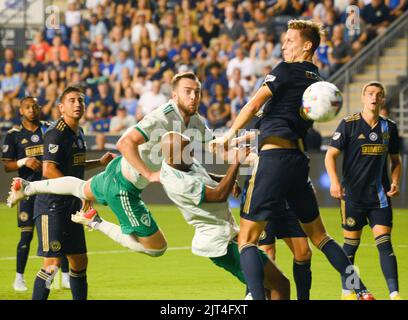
[179, 76]
[68, 90]
[28, 98]
[309, 31]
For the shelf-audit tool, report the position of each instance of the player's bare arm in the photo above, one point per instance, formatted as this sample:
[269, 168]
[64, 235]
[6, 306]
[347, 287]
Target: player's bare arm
[128, 145]
[101, 162]
[14, 165]
[336, 190]
[395, 175]
[236, 189]
[51, 171]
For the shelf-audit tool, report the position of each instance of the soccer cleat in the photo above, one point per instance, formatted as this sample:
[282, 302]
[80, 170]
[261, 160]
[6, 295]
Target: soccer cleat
[349, 296]
[365, 295]
[86, 218]
[249, 296]
[397, 297]
[17, 191]
[20, 285]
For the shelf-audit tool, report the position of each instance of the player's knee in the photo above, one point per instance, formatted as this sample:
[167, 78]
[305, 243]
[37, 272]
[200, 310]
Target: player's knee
[303, 254]
[156, 252]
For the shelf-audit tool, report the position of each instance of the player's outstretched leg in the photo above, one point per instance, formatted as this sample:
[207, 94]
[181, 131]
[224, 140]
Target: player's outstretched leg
[337, 257]
[92, 220]
[21, 188]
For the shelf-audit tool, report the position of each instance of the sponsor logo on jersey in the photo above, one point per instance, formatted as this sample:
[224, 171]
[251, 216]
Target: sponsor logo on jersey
[34, 151]
[5, 147]
[78, 159]
[35, 138]
[373, 149]
[270, 78]
[53, 148]
[262, 236]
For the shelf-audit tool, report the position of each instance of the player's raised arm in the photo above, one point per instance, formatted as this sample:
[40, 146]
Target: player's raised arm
[128, 145]
[101, 162]
[246, 114]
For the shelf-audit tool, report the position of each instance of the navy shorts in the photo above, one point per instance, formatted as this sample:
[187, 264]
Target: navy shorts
[354, 219]
[281, 176]
[25, 213]
[57, 234]
[287, 226]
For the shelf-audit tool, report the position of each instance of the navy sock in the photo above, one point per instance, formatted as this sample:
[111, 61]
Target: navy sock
[253, 269]
[338, 259]
[79, 285]
[64, 264]
[303, 278]
[350, 247]
[388, 261]
[23, 249]
[42, 285]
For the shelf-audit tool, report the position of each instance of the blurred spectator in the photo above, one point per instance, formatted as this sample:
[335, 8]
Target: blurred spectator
[122, 62]
[264, 59]
[34, 90]
[150, 100]
[9, 57]
[106, 66]
[77, 40]
[233, 28]
[241, 62]
[33, 66]
[95, 77]
[101, 144]
[39, 47]
[160, 64]
[11, 82]
[145, 59]
[121, 121]
[264, 23]
[96, 27]
[8, 117]
[141, 84]
[101, 122]
[216, 76]
[58, 50]
[140, 25]
[237, 80]
[185, 63]
[219, 110]
[322, 56]
[73, 14]
[48, 108]
[130, 102]
[396, 7]
[286, 8]
[340, 53]
[261, 43]
[190, 43]
[321, 10]
[104, 97]
[166, 87]
[168, 25]
[80, 64]
[238, 102]
[118, 41]
[208, 29]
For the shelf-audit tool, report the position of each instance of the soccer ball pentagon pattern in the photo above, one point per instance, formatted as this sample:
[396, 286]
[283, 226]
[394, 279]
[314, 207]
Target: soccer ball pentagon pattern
[321, 101]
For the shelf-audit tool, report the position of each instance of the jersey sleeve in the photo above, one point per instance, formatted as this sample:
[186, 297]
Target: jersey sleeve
[53, 147]
[279, 77]
[9, 151]
[146, 126]
[339, 138]
[394, 143]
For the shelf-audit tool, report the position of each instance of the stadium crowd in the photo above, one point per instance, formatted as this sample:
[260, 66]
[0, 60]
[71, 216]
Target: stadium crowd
[124, 54]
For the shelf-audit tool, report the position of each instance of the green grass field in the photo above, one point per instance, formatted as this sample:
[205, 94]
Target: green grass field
[116, 273]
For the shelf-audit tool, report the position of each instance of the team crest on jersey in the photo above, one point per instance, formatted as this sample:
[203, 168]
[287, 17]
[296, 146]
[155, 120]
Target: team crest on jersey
[145, 219]
[53, 148]
[270, 78]
[373, 136]
[262, 236]
[23, 216]
[24, 141]
[350, 222]
[5, 148]
[35, 138]
[336, 135]
[55, 246]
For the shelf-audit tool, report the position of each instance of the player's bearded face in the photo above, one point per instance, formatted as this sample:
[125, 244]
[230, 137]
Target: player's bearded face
[73, 105]
[187, 96]
[293, 46]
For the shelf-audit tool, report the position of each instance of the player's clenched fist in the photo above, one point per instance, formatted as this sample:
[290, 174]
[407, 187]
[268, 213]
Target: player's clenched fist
[106, 158]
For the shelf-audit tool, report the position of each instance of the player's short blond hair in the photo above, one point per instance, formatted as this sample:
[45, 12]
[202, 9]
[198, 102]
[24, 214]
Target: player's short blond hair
[309, 31]
[377, 84]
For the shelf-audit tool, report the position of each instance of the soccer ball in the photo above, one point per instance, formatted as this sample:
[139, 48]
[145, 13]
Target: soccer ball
[321, 101]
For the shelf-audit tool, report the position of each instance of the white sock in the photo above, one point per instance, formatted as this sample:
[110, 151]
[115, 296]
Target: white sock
[63, 186]
[345, 292]
[114, 232]
[393, 294]
[19, 276]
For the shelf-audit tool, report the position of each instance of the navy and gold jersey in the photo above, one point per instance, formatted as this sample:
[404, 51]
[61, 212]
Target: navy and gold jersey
[21, 143]
[365, 151]
[67, 150]
[281, 114]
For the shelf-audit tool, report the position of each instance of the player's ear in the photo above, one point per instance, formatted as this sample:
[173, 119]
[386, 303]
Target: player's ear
[307, 46]
[61, 108]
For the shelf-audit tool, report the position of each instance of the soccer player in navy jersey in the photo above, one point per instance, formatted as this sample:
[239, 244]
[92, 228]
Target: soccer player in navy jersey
[366, 139]
[281, 174]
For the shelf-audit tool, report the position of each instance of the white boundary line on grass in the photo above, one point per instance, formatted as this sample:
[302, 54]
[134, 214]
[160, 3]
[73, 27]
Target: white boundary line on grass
[173, 249]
